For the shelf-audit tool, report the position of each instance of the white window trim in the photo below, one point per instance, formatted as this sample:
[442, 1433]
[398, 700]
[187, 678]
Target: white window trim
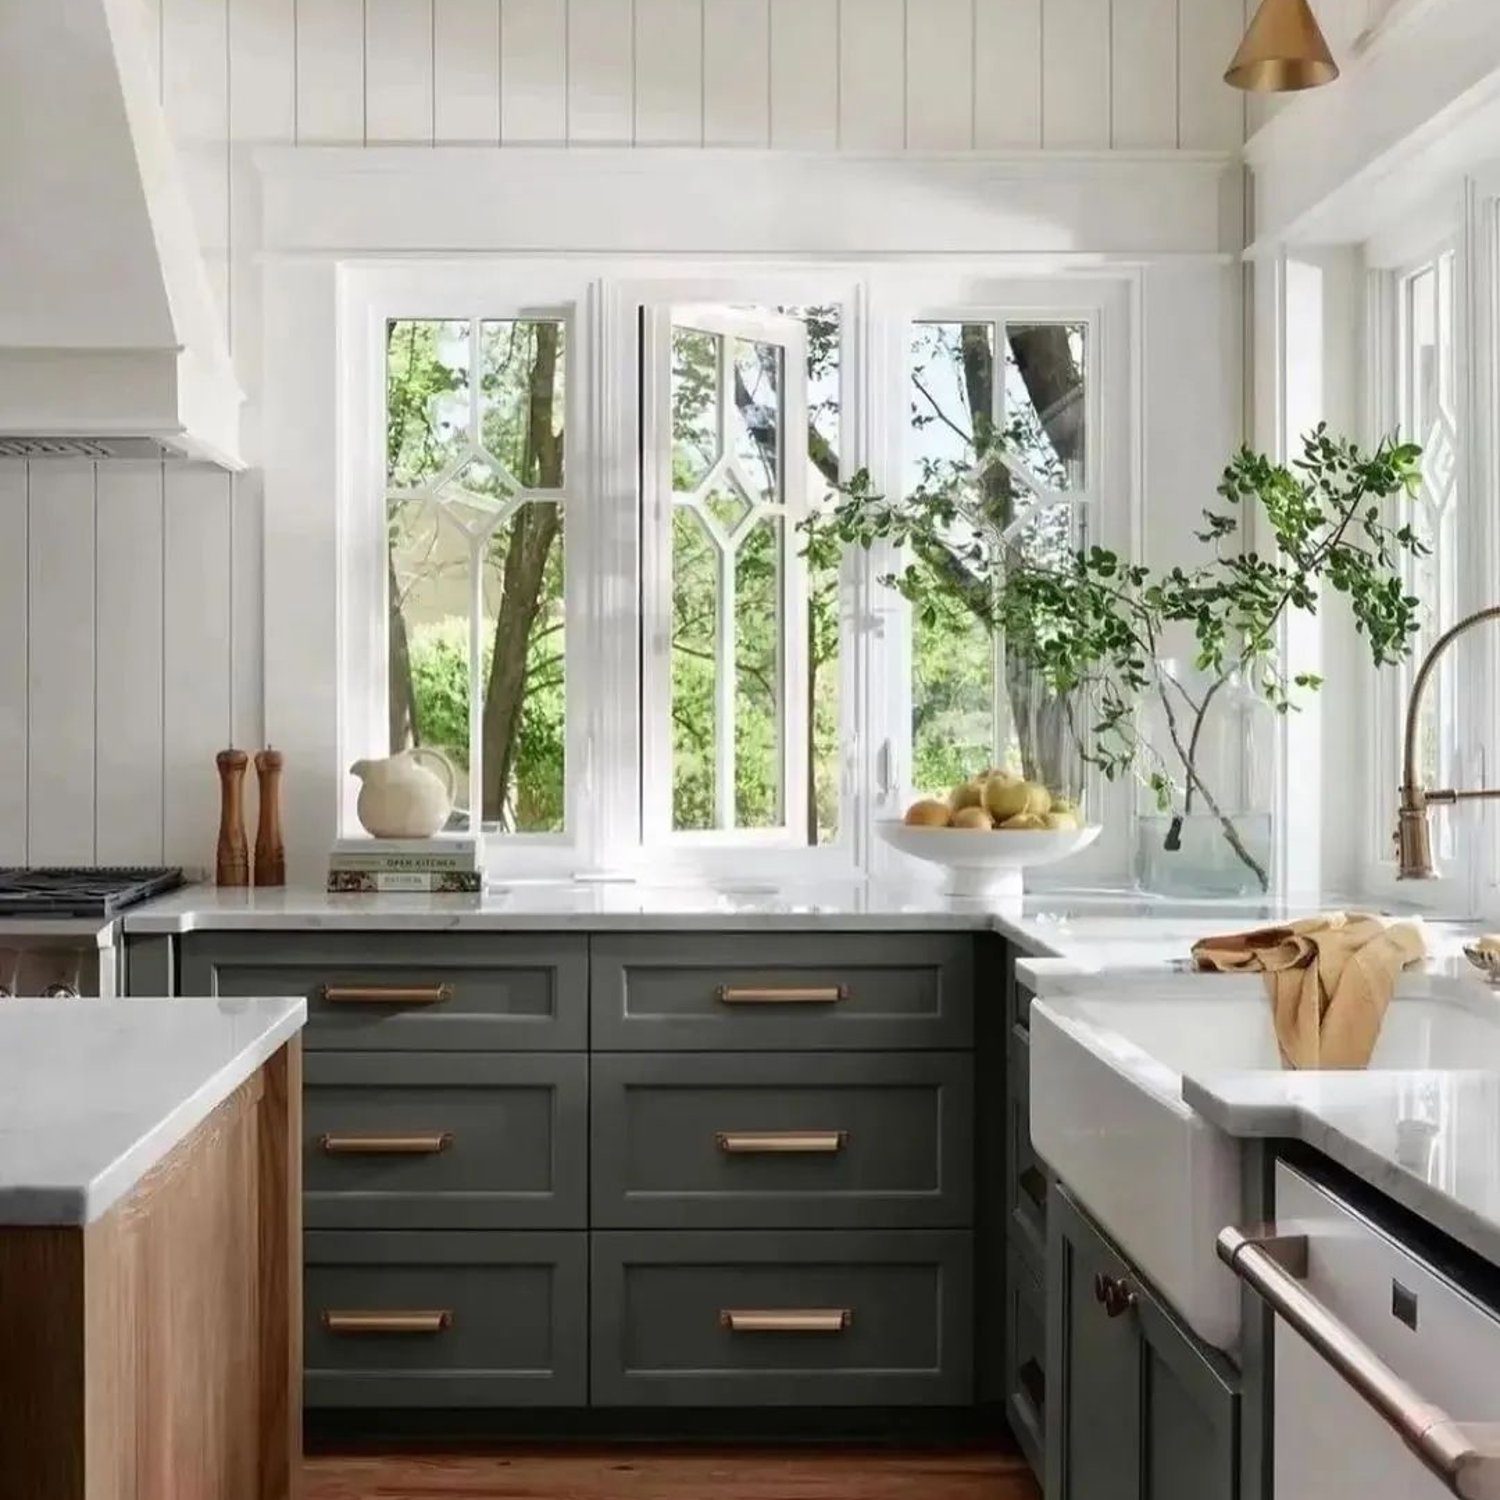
[608, 827]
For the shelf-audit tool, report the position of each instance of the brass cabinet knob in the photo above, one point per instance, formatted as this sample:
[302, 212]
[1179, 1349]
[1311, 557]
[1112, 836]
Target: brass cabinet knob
[1114, 1294]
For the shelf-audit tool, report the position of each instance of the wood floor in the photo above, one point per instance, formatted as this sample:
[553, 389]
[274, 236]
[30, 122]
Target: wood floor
[616, 1473]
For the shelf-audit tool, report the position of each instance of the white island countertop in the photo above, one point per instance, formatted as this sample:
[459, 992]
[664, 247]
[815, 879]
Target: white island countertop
[94, 1093]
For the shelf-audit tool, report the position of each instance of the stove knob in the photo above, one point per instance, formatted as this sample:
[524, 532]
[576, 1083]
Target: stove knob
[59, 992]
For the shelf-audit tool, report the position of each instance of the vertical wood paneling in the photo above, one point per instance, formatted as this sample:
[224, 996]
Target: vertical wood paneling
[736, 73]
[14, 569]
[1075, 73]
[804, 74]
[466, 71]
[128, 599]
[600, 72]
[1007, 74]
[669, 72]
[872, 75]
[247, 620]
[195, 96]
[534, 72]
[60, 637]
[1211, 115]
[940, 75]
[1143, 92]
[398, 71]
[196, 659]
[330, 71]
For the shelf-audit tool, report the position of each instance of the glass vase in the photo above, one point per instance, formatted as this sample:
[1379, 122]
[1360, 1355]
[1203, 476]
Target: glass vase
[1214, 839]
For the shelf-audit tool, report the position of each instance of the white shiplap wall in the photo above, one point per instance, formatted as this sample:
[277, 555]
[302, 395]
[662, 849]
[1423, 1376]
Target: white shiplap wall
[131, 594]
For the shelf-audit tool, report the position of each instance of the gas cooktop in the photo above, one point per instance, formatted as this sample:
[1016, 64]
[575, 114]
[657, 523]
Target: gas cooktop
[60, 892]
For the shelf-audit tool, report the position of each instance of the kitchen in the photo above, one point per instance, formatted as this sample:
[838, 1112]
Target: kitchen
[734, 1015]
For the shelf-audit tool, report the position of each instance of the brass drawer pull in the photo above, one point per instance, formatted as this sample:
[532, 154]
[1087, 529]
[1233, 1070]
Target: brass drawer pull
[426, 1144]
[786, 1319]
[387, 994]
[1114, 1294]
[439, 1320]
[780, 1142]
[790, 994]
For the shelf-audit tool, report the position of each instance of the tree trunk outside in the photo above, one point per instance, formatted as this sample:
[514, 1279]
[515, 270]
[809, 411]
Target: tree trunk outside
[532, 532]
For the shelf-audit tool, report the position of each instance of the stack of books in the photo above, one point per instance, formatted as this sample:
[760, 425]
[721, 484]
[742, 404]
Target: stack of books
[441, 865]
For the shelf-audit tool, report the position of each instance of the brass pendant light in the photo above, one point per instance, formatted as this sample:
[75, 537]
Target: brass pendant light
[1282, 51]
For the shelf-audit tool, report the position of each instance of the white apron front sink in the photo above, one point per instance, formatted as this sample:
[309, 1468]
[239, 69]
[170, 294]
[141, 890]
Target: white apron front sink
[1108, 1059]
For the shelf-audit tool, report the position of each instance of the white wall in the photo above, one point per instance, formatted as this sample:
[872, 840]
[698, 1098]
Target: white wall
[114, 704]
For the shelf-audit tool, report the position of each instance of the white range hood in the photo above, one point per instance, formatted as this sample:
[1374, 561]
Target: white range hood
[110, 340]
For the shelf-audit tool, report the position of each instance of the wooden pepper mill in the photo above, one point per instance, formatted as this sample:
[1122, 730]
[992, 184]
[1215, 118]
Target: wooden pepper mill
[232, 858]
[270, 853]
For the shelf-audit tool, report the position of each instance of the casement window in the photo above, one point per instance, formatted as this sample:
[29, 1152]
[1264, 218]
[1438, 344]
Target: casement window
[1416, 327]
[581, 566]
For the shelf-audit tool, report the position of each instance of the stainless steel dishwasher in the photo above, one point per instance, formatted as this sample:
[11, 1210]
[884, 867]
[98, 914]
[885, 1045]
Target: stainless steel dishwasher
[1386, 1372]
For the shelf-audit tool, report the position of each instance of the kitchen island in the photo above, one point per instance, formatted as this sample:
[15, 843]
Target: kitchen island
[150, 1273]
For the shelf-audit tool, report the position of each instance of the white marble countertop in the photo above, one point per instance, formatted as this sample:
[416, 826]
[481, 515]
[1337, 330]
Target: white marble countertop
[94, 1093]
[1104, 928]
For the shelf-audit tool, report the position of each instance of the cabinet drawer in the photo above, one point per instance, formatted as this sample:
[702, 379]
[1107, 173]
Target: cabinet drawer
[725, 992]
[454, 992]
[1026, 1359]
[1025, 1178]
[783, 1140]
[439, 1140]
[436, 1319]
[769, 1319]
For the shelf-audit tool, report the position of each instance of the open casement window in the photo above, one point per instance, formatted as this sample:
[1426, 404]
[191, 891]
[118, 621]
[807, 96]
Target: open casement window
[477, 472]
[998, 427]
[726, 716]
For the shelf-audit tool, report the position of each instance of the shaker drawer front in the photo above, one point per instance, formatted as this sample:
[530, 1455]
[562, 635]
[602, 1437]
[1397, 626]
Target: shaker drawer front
[432, 1319]
[1025, 1178]
[430, 1140]
[769, 1319]
[784, 1140]
[1026, 1359]
[427, 992]
[688, 991]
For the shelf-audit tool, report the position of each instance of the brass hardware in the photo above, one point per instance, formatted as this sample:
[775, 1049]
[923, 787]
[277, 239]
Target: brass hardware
[381, 994]
[1275, 1265]
[786, 1320]
[1413, 834]
[783, 995]
[438, 1320]
[780, 1142]
[1282, 51]
[428, 1144]
[1114, 1294]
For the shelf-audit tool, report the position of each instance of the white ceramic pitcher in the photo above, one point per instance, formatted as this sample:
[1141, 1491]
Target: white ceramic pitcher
[399, 798]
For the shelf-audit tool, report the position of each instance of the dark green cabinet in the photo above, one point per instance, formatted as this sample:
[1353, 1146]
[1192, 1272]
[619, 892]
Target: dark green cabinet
[1137, 1409]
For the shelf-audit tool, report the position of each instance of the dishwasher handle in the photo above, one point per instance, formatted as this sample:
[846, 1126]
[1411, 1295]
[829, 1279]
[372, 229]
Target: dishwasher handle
[1275, 1266]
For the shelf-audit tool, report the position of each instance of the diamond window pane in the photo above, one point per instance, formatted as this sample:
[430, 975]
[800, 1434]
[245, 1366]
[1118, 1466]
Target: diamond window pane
[695, 635]
[727, 504]
[522, 672]
[1046, 406]
[757, 399]
[757, 681]
[469, 563]
[695, 406]
[523, 399]
[427, 398]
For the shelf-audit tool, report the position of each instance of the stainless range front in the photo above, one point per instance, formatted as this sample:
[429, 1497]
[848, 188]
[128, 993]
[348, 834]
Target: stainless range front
[59, 928]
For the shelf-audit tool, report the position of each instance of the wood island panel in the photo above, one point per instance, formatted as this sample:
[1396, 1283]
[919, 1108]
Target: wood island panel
[155, 1353]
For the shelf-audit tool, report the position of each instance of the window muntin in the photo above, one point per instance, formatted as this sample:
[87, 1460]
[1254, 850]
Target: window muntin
[1007, 440]
[476, 470]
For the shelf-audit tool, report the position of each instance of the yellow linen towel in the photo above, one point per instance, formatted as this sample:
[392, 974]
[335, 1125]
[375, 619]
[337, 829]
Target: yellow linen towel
[1329, 979]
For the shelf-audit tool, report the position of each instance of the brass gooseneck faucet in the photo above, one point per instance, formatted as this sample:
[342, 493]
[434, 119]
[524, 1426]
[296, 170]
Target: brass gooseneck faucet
[1413, 834]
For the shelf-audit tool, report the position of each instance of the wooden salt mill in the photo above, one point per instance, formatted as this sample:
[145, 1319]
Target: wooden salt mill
[270, 853]
[232, 859]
